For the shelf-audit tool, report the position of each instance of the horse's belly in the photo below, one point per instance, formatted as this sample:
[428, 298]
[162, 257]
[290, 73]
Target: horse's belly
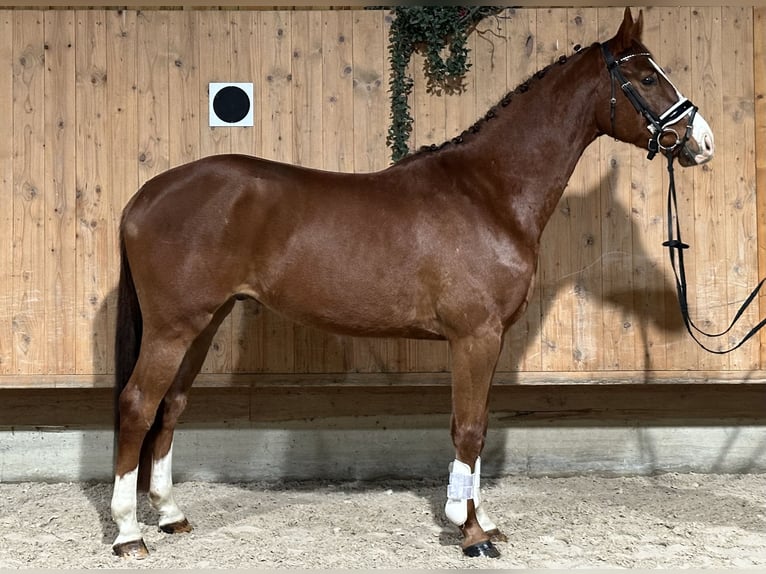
[355, 313]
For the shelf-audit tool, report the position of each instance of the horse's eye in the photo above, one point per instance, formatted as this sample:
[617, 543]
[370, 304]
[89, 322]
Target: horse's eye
[649, 80]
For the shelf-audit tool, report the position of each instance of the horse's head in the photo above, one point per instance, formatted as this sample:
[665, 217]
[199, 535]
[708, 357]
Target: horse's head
[644, 107]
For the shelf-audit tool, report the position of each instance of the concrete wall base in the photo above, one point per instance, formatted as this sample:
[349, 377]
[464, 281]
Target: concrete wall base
[366, 448]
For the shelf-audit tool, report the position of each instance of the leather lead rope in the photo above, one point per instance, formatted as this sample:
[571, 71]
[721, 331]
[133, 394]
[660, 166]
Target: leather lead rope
[676, 249]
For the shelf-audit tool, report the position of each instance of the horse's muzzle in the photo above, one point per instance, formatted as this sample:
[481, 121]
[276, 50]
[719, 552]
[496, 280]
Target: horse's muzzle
[700, 147]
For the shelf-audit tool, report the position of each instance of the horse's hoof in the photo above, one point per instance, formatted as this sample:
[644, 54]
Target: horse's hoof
[133, 549]
[485, 549]
[176, 527]
[496, 536]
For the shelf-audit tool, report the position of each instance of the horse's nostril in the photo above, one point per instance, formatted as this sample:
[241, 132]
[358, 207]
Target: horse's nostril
[707, 142]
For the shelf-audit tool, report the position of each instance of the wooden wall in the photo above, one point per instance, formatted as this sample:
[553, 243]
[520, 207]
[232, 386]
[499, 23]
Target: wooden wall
[97, 101]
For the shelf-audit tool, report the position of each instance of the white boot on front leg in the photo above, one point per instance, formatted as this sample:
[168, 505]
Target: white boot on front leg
[459, 491]
[464, 486]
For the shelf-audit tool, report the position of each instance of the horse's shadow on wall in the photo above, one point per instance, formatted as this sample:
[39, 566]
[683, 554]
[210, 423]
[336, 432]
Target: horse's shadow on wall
[649, 307]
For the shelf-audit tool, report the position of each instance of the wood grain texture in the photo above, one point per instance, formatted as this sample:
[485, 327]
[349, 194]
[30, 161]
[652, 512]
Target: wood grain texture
[243, 406]
[59, 194]
[94, 336]
[28, 235]
[7, 299]
[101, 100]
[759, 80]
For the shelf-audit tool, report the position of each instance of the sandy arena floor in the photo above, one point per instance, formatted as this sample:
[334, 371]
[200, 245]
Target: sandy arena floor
[667, 521]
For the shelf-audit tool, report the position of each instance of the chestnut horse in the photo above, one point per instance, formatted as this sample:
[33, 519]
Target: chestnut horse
[441, 245]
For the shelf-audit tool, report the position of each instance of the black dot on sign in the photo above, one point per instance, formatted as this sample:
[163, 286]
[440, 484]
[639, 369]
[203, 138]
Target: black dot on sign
[231, 104]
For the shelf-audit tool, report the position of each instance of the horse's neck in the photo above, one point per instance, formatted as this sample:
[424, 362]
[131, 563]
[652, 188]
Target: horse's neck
[534, 144]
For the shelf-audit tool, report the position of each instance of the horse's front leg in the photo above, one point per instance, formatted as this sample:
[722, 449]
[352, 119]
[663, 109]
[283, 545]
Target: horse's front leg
[473, 365]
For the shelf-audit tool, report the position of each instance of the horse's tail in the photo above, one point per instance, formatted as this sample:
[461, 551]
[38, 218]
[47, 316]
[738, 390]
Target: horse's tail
[127, 341]
[127, 345]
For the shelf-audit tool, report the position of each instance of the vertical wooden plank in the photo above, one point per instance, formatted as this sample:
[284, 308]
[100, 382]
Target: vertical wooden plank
[275, 37]
[370, 125]
[152, 83]
[711, 278]
[675, 54]
[123, 135]
[28, 201]
[489, 64]
[556, 253]
[645, 205]
[215, 66]
[308, 94]
[370, 84]
[60, 299]
[338, 91]
[7, 139]
[187, 112]
[759, 70]
[584, 276]
[618, 337]
[522, 348]
[737, 155]
[94, 338]
[276, 85]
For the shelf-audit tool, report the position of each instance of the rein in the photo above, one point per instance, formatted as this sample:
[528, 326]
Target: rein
[659, 126]
[676, 253]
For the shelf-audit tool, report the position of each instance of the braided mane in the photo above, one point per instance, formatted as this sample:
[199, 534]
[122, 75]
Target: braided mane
[493, 111]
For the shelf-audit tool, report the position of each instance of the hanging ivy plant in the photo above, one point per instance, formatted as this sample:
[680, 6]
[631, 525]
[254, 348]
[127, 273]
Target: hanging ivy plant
[433, 31]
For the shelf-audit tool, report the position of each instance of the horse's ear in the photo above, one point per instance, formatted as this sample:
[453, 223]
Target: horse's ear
[630, 29]
[638, 26]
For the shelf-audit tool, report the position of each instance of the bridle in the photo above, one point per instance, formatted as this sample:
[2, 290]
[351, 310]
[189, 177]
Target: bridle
[659, 126]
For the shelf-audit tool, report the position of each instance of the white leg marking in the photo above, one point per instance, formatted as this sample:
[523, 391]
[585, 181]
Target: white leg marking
[481, 515]
[124, 507]
[161, 490]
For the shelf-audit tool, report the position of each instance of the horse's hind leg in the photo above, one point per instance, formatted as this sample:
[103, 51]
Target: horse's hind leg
[165, 370]
[473, 364]
[172, 520]
[155, 371]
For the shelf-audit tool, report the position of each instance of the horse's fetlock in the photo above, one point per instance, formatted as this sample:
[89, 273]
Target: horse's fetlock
[154, 498]
[469, 440]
